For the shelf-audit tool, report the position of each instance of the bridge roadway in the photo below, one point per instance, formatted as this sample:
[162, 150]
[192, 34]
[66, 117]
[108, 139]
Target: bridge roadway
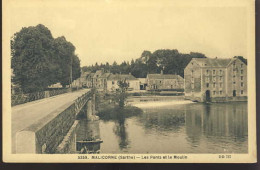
[26, 114]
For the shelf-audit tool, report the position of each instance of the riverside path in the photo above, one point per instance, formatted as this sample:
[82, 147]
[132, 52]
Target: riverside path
[26, 114]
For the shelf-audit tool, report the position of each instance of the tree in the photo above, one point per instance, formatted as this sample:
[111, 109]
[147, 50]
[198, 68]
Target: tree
[145, 56]
[121, 93]
[33, 62]
[76, 71]
[67, 61]
[39, 60]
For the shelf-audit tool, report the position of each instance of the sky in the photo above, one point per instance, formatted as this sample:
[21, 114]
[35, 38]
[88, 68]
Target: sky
[120, 30]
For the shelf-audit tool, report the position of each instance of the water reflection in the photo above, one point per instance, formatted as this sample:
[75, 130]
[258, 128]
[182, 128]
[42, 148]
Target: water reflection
[121, 133]
[162, 119]
[88, 137]
[217, 122]
[186, 128]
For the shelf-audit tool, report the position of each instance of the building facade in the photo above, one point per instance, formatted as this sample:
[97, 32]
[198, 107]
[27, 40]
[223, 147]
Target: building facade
[164, 82]
[112, 82]
[215, 80]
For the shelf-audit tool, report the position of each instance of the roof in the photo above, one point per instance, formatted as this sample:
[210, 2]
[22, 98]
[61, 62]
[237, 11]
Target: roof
[213, 62]
[98, 73]
[121, 77]
[105, 75]
[90, 75]
[163, 76]
[84, 74]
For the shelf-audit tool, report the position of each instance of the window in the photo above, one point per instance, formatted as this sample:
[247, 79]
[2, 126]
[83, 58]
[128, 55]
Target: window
[220, 92]
[220, 72]
[234, 77]
[242, 77]
[207, 84]
[207, 79]
[241, 65]
[160, 81]
[234, 64]
[214, 85]
[214, 92]
[214, 71]
[241, 71]
[220, 78]
[207, 72]
[113, 82]
[214, 78]
[192, 79]
[191, 72]
[234, 82]
[242, 92]
[242, 84]
[220, 84]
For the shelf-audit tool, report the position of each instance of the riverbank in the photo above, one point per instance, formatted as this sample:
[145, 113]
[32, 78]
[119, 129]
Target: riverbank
[155, 93]
[108, 109]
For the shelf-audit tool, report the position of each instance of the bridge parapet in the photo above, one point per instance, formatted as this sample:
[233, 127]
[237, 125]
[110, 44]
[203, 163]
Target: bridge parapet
[46, 134]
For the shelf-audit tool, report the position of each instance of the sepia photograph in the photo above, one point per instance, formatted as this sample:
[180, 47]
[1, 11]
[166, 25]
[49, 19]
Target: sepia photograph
[129, 81]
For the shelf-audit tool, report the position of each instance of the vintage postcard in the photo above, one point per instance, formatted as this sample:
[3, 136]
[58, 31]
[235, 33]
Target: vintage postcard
[165, 81]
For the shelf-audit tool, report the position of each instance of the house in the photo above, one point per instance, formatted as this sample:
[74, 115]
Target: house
[89, 80]
[216, 80]
[143, 83]
[112, 81]
[96, 79]
[83, 78]
[103, 81]
[164, 82]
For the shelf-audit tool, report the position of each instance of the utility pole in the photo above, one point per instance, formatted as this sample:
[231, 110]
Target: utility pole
[71, 72]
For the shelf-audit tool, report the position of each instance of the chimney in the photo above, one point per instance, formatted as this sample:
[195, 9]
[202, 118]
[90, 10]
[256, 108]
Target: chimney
[162, 72]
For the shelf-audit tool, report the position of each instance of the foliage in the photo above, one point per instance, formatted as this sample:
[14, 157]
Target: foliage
[121, 94]
[170, 61]
[39, 60]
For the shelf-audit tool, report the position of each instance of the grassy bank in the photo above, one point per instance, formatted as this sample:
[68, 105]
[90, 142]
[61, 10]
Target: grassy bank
[109, 110]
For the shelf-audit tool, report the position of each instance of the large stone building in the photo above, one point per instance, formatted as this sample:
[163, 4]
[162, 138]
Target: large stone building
[216, 80]
[164, 82]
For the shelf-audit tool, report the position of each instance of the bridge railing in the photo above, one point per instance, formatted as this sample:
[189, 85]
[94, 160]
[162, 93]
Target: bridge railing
[24, 98]
[46, 134]
[17, 99]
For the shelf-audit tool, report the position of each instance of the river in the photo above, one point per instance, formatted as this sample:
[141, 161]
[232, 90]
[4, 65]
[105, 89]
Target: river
[172, 125]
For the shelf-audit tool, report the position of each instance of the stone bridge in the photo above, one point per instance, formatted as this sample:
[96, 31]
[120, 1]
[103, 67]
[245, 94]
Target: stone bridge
[48, 133]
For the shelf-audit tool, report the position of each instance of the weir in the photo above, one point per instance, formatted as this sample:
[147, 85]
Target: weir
[51, 134]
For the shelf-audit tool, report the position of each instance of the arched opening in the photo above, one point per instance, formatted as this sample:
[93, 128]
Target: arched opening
[234, 93]
[207, 96]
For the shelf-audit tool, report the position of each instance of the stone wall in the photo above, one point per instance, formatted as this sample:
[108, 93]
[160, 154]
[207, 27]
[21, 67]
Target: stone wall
[68, 145]
[45, 135]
